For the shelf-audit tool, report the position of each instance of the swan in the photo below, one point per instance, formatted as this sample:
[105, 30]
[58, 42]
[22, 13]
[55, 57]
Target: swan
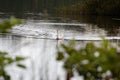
[59, 36]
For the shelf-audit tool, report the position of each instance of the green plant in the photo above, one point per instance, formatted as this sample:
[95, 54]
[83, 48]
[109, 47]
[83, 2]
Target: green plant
[6, 60]
[6, 25]
[93, 62]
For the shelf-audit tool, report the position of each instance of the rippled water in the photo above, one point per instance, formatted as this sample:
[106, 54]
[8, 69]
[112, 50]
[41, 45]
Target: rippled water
[51, 30]
[48, 29]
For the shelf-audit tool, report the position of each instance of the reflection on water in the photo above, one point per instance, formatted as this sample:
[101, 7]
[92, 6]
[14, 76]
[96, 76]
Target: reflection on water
[41, 62]
[41, 58]
[111, 24]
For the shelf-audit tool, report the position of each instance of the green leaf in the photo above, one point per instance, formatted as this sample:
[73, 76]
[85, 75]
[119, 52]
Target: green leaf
[6, 77]
[14, 21]
[19, 58]
[7, 25]
[21, 66]
[60, 56]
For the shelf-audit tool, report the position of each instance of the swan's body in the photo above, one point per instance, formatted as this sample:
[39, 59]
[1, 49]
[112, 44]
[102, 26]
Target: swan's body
[59, 36]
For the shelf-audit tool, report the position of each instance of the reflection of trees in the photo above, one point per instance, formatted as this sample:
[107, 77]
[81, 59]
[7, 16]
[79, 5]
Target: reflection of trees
[107, 23]
[111, 30]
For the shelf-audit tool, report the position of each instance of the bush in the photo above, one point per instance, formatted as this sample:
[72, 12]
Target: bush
[5, 59]
[93, 62]
[6, 25]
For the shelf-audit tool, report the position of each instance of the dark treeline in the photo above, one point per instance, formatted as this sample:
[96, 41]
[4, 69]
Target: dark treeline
[64, 7]
[33, 5]
[93, 7]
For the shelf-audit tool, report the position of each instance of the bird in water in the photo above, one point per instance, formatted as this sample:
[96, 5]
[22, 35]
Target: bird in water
[59, 36]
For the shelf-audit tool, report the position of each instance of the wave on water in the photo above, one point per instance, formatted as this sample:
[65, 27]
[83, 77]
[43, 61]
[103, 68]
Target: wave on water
[65, 31]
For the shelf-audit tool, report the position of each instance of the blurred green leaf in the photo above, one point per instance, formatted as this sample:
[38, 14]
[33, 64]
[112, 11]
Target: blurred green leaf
[7, 25]
[60, 56]
[92, 59]
[14, 21]
[18, 58]
[21, 66]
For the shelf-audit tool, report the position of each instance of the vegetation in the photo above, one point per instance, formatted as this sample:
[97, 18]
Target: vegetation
[93, 7]
[6, 25]
[99, 62]
[5, 59]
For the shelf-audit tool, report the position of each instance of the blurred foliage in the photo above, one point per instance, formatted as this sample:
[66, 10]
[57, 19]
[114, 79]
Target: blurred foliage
[101, 62]
[93, 7]
[6, 60]
[6, 25]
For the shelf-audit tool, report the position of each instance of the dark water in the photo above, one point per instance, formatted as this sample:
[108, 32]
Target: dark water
[36, 38]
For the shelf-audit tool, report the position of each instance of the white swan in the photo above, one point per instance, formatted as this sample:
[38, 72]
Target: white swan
[59, 36]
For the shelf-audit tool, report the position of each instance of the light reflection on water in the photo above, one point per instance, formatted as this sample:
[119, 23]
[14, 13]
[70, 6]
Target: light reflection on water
[41, 58]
